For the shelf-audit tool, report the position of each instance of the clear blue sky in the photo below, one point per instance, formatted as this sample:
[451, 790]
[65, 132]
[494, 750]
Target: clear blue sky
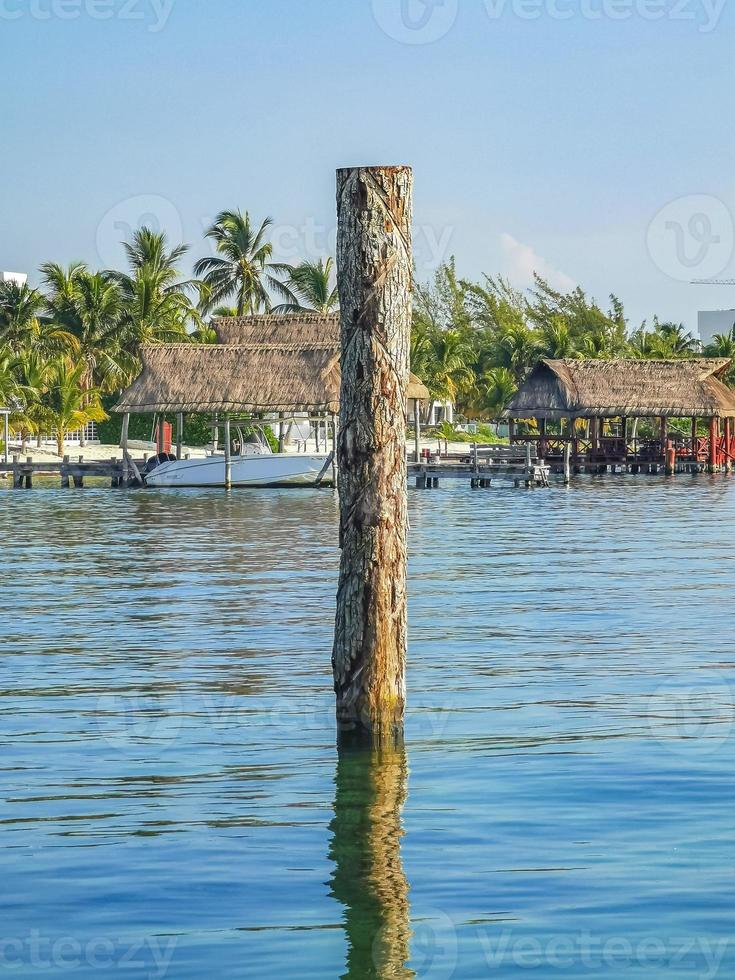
[537, 139]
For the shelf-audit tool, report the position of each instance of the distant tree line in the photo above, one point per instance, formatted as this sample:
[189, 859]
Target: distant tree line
[473, 343]
[68, 346]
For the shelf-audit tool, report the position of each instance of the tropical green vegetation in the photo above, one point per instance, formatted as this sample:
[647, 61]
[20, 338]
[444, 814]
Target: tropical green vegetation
[474, 342]
[70, 345]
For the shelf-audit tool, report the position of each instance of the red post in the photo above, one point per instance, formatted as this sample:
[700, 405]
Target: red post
[728, 446]
[164, 437]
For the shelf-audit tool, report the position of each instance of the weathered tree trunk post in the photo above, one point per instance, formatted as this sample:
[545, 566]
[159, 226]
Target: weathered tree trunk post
[180, 435]
[6, 438]
[374, 263]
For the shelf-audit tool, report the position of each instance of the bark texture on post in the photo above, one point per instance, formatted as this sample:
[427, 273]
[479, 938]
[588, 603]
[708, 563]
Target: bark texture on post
[374, 262]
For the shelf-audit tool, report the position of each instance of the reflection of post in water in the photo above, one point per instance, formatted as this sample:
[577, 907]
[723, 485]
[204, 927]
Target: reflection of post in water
[366, 848]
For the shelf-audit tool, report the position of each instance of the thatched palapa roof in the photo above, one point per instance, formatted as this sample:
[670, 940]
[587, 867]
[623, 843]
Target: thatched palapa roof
[244, 378]
[288, 328]
[625, 388]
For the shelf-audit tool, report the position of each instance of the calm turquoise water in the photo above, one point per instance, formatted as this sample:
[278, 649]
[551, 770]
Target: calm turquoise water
[172, 803]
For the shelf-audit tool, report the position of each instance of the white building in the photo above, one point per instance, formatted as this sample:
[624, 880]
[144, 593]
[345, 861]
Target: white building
[17, 277]
[710, 322]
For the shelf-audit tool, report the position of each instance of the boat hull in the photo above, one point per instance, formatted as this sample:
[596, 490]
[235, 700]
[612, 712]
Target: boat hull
[267, 470]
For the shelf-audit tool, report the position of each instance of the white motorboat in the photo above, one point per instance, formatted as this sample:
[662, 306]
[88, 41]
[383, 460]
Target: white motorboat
[255, 465]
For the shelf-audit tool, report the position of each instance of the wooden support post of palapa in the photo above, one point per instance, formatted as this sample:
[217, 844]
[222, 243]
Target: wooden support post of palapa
[125, 471]
[374, 263]
[567, 463]
[228, 454]
[335, 436]
[714, 438]
[179, 435]
[417, 427]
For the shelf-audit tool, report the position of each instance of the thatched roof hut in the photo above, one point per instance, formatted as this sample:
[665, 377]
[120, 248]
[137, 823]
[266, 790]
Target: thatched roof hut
[625, 388]
[289, 328]
[244, 378]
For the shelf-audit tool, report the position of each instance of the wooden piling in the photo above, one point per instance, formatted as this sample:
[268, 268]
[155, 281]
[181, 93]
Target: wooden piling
[567, 463]
[417, 428]
[374, 262]
[728, 446]
[228, 454]
[714, 438]
[335, 434]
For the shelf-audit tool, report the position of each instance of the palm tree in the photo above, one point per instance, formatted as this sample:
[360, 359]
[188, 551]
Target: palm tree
[155, 302]
[67, 404]
[21, 322]
[449, 370]
[20, 308]
[499, 386]
[721, 345]
[666, 341]
[89, 306]
[242, 267]
[311, 284]
[556, 339]
[518, 348]
[31, 369]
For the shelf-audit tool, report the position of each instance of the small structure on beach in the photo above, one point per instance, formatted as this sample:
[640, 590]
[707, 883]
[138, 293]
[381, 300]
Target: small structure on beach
[317, 329]
[266, 365]
[595, 406]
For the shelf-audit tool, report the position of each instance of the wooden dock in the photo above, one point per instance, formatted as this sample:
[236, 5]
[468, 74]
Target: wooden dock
[72, 473]
[481, 465]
